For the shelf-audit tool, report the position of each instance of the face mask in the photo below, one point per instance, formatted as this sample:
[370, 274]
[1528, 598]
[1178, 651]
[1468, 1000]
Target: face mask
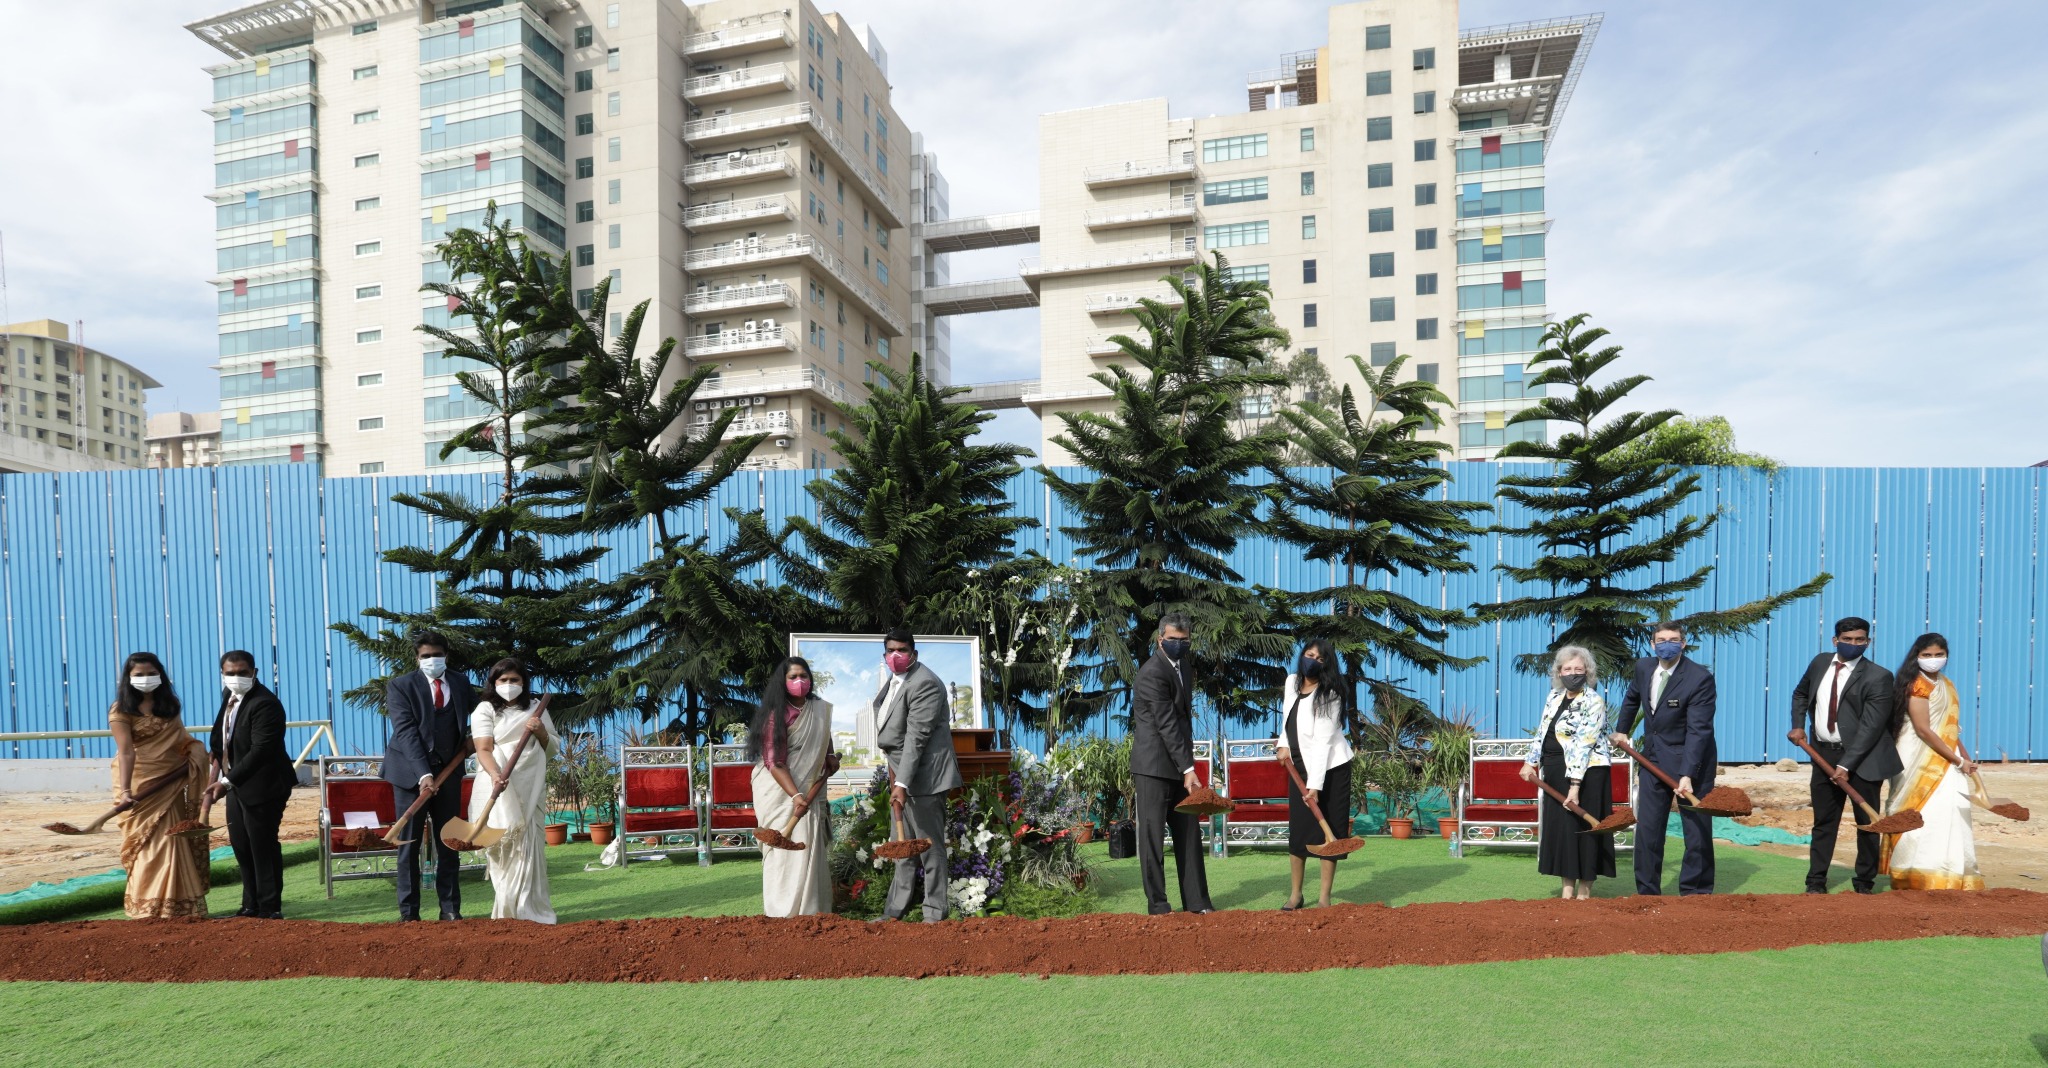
[1849, 652]
[1668, 650]
[237, 684]
[1174, 648]
[146, 683]
[898, 662]
[1312, 670]
[1932, 665]
[797, 688]
[510, 691]
[1573, 681]
[433, 667]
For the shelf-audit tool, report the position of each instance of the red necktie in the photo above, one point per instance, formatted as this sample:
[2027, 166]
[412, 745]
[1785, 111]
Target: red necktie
[439, 703]
[1835, 700]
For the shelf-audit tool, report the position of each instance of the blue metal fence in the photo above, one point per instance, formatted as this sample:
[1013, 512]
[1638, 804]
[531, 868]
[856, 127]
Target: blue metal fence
[188, 563]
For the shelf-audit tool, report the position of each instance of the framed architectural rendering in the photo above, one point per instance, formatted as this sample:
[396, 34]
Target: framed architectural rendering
[847, 670]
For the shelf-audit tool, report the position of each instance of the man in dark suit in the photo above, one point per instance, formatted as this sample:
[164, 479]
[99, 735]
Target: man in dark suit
[1675, 697]
[256, 778]
[914, 729]
[1163, 771]
[428, 709]
[1848, 701]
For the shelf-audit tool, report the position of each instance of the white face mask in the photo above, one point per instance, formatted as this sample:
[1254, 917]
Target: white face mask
[237, 684]
[146, 683]
[510, 691]
[1933, 664]
[433, 667]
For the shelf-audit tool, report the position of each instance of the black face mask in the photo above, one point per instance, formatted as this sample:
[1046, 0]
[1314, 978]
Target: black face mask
[1312, 670]
[1174, 648]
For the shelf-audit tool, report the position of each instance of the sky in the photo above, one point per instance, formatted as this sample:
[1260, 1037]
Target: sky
[1810, 218]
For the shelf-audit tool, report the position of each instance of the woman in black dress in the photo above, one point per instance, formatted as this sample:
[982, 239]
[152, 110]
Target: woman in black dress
[1312, 736]
[1572, 754]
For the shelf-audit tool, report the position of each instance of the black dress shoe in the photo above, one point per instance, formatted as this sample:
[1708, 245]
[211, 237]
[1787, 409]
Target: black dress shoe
[1866, 890]
[451, 915]
[1815, 890]
[274, 916]
[1201, 912]
[245, 912]
[409, 917]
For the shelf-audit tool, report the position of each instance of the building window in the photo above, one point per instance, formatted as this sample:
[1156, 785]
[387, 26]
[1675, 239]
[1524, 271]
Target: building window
[1379, 82]
[375, 467]
[1425, 330]
[1308, 272]
[586, 255]
[1308, 183]
[366, 116]
[1379, 175]
[585, 167]
[584, 36]
[369, 292]
[368, 160]
[1382, 353]
[1425, 193]
[1425, 239]
[611, 103]
[369, 337]
[369, 248]
[1379, 37]
[1382, 309]
[1248, 272]
[1231, 235]
[611, 59]
[1425, 59]
[611, 16]
[612, 191]
[612, 236]
[583, 300]
[362, 28]
[1380, 129]
[1427, 372]
[1234, 192]
[586, 124]
[365, 73]
[375, 422]
[1380, 265]
[585, 81]
[1379, 221]
[1308, 228]
[614, 150]
[1222, 149]
[369, 203]
[1308, 315]
[1425, 284]
[1308, 139]
[586, 210]
[375, 378]
[1425, 150]
[1425, 103]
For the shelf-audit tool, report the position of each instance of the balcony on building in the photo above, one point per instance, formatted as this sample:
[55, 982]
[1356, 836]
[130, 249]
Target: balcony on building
[760, 385]
[986, 295]
[1291, 84]
[747, 423]
[1146, 212]
[1124, 303]
[754, 337]
[1525, 68]
[767, 251]
[1136, 172]
[1102, 346]
[735, 167]
[707, 300]
[739, 83]
[1114, 258]
[764, 32]
[784, 120]
[716, 215]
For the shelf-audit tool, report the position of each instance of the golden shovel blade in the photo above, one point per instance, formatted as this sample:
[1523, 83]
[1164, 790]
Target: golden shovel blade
[461, 834]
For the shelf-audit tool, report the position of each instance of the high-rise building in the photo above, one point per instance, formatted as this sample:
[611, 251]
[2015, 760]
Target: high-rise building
[67, 407]
[737, 165]
[184, 439]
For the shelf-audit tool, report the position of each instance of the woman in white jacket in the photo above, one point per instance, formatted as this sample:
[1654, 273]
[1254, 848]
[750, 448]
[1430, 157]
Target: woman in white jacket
[1312, 735]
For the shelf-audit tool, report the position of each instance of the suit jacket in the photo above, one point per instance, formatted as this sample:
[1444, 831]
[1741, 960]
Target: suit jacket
[1865, 710]
[1678, 735]
[254, 758]
[1162, 719]
[424, 739]
[915, 731]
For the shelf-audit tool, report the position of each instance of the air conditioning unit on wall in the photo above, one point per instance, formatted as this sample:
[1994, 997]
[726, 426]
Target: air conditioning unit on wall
[782, 443]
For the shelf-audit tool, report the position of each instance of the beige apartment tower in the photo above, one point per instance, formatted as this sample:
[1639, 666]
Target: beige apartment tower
[65, 406]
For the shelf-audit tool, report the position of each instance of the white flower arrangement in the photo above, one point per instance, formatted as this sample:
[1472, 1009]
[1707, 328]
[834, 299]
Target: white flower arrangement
[969, 895]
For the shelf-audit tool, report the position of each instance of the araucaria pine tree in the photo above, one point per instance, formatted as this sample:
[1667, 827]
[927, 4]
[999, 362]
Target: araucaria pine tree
[1603, 521]
[1369, 500]
[500, 590]
[1170, 498]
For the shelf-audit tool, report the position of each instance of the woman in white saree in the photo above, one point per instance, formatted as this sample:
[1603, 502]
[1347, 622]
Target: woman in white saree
[517, 864]
[790, 743]
[1942, 854]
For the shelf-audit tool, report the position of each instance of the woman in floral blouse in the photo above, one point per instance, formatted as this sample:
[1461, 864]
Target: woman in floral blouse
[1571, 753]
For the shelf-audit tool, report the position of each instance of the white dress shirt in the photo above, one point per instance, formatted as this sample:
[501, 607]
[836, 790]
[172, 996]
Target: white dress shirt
[1176, 700]
[888, 699]
[1837, 674]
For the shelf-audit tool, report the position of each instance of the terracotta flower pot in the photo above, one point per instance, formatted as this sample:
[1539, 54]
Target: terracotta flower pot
[1401, 828]
[1084, 834]
[601, 834]
[1448, 827]
[557, 833]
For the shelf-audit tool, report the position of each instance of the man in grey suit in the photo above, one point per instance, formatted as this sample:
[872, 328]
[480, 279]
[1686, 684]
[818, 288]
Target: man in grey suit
[1163, 771]
[1848, 701]
[914, 728]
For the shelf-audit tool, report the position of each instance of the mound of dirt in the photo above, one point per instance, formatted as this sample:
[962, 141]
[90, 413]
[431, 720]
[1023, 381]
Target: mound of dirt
[821, 947]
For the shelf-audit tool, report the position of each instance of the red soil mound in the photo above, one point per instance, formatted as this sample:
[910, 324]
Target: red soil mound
[753, 947]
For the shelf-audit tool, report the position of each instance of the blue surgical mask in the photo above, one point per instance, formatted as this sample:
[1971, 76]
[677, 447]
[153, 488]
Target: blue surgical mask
[1849, 652]
[1174, 648]
[1668, 650]
[1309, 669]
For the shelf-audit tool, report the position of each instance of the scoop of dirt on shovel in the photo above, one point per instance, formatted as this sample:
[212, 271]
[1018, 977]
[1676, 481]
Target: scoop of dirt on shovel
[1725, 801]
[2012, 811]
[902, 848]
[1897, 823]
[363, 838]
[1618, 820]
[774, 839]
[1204, 801]
[60, 827]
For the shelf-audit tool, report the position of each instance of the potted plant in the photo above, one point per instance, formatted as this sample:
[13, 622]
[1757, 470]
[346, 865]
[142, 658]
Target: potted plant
[598, 779]
[1398, 782]
[565, 785]
[1446, 763]
[1120, 801]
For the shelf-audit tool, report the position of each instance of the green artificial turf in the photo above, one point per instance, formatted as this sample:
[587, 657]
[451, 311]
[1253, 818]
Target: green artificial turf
[1949, 1001]
[1389, 871]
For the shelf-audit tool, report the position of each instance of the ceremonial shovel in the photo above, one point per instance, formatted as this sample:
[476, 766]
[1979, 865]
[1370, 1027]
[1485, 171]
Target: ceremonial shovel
[1981, 797]
[1332, 846]
[361, 837]
[1896, 823]
[898, 847]
[94, 827]
[460, 835]
[201, 829]
[1616, 821]
[1720, 801]
[769, 836]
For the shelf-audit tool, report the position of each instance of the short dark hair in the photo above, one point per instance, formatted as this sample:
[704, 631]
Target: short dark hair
[900, 634]
[1848, 623]
[429, 637]
[1669, 624]
[1178, 621]
[238, 656]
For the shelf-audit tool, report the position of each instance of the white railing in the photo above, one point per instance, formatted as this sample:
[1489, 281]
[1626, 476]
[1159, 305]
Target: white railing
[1103, 346]
[782, 381]
[1143, 211]
[745, 122]
[746, 250]
[758, 339]
[764, 119]
[753, 29]
[750, 296]
[740, 165]
[1108, 303]
[765, 423]
[768, 463]
[743, 78]
[1133, 170]
[1116, 256]
[739, 210]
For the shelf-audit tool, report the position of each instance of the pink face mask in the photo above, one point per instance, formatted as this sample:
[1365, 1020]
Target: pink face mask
[798, 688]
[898, 662]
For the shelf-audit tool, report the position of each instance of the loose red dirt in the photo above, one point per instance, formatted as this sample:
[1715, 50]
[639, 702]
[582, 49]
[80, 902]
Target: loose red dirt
[824, 947]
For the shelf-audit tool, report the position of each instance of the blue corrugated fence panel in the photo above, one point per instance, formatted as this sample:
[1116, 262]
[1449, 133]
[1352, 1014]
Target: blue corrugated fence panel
[37, 607]
[139, 565]
[301, 609]
[93, 657]
[245, 533]
[1955, 576]
[1522, 693]
[2008, 613]
[400, 589]
[2037, 672]
[352, 565]
[1849, 544]
[1473, 692]
[1796, 630]
[1744, 576]
[191, 572]
[1902, 517]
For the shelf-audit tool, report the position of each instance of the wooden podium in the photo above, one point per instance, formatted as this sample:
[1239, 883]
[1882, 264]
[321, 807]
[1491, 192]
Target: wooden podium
[975, 748]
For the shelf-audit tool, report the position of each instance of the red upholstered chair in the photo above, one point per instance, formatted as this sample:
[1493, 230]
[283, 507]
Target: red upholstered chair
[658, 803]
[730, 801]
[353, 784]
[1257, 785]
[1497, 809]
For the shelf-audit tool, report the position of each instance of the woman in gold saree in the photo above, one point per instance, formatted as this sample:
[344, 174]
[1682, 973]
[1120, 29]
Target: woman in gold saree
[167, 875]
[1942, 854]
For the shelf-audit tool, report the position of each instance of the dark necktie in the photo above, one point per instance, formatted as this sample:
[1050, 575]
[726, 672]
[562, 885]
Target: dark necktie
[1835, 700]
[439, 701]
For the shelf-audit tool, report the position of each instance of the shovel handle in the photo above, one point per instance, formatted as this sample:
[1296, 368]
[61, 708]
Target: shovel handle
[1821, 762]
[809, 796]
[1567, 803]
[420, 801]
[518, 750]
[1977, 778]
[1669, 782]
[1313, 808]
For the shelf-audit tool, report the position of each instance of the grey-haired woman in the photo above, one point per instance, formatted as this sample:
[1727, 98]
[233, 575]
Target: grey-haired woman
[1571, 752]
